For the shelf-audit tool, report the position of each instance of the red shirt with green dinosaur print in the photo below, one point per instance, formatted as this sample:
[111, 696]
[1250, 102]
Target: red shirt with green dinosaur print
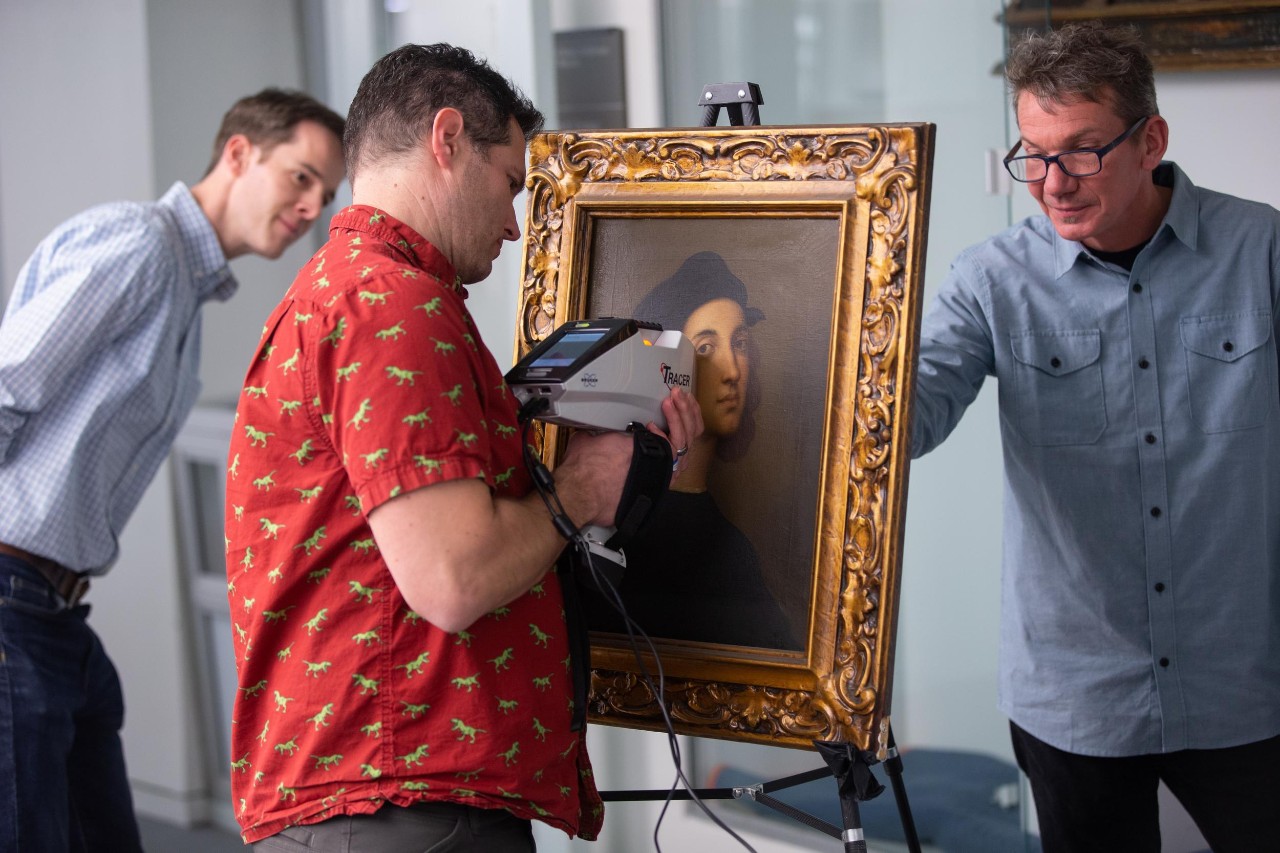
[370, 381]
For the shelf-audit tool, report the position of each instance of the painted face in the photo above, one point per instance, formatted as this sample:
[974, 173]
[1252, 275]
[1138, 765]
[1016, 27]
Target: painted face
[1103, 211]
[482, 206]
[280, 193]
[719, 333]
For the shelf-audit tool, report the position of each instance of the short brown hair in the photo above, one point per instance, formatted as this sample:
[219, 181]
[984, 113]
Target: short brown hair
[270, 117]
[398, 100]
[1086, 60]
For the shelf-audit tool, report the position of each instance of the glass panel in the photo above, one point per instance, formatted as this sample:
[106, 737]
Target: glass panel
[817, 61]
[222, 671]
[207, 487]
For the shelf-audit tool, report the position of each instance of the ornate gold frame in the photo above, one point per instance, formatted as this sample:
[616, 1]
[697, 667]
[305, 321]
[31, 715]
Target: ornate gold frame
[875, 181]
[1179, 35]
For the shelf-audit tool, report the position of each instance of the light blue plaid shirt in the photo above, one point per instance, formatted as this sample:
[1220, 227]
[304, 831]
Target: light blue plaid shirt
[1140, 420]
[99, 358]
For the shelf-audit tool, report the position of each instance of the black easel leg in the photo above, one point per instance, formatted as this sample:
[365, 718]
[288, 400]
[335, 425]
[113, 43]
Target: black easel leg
[893, 765]
[855, 782]
[855, 840]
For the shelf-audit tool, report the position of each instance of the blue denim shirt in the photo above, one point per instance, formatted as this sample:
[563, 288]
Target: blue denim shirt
[99, 359]
[1140, 424]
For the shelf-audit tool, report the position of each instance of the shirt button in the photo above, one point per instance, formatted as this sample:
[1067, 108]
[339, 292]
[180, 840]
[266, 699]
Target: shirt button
[1155, 512]
[1227, 346]
[1164, 661]
[1159, 587]
[1149, 438]
[1055, 362]
[1143, 363]
[1137, 288]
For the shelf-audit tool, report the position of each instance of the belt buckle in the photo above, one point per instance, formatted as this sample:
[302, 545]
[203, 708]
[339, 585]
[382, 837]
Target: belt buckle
[77, 591]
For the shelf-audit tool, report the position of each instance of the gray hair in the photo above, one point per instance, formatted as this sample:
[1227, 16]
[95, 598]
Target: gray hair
[1087, 61]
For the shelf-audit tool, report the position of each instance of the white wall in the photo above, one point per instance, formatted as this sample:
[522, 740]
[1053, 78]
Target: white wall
[73, 134]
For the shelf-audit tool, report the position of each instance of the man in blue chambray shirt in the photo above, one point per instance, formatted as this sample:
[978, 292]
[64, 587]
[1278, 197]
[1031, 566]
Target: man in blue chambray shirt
[1133, 331]
[99, 355]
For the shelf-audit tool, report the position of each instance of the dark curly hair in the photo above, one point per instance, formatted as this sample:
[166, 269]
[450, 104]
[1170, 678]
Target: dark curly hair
[398, 100]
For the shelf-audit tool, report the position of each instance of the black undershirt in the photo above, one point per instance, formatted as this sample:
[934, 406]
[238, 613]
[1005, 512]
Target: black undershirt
[1123, 258]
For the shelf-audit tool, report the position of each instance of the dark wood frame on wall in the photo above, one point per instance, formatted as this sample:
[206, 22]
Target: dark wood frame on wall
[1180, 35]
[874, 182]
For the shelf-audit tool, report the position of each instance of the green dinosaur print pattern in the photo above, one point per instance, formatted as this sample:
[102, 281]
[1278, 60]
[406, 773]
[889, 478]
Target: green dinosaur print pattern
[370, 382]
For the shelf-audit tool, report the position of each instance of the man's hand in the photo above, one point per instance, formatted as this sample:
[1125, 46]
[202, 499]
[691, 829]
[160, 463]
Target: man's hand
[684, 424]
[594, 471]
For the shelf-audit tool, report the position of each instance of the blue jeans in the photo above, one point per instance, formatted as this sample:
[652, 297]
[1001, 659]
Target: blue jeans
[63, 785]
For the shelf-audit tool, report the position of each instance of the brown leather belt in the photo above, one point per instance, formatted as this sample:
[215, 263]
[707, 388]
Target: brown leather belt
[72, 586]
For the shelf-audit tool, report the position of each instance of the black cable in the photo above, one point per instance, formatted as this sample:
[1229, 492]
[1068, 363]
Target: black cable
[659, 692]
[544, 484]
[543, 481]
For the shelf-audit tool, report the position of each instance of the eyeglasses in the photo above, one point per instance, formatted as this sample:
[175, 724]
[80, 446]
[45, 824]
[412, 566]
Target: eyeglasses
[1079, 163]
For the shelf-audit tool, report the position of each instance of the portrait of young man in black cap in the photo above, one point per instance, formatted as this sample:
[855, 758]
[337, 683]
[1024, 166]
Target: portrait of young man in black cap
[692, 574]
[729, 556]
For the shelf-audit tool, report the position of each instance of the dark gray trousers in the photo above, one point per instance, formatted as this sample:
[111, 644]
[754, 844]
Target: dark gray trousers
[421, 828]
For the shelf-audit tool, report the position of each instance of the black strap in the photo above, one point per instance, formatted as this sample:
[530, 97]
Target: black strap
[647, 482]
[579, 640]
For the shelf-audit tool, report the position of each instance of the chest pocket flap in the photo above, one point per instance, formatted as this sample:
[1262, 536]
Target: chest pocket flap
[1057, 352]
[1231, 366]
[1226, 337]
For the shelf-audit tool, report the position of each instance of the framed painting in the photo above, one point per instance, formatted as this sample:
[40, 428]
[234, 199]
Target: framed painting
[1179, 35]
[792, 257]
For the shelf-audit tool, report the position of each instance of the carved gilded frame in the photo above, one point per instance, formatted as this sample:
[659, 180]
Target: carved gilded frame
[874, 181]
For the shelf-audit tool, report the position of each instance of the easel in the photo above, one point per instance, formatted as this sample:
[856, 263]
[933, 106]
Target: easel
[852, 771]
[850, 767]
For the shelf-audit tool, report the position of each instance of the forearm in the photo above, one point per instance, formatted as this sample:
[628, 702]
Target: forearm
[955, 357]
[457, 553]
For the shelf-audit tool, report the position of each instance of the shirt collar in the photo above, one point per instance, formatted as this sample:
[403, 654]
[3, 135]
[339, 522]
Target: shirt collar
[1183, 216]
[1182, 219]
[415, 248]
[209, 267]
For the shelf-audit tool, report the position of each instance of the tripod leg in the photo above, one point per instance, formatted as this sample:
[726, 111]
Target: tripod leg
[854, 839]
[855, 782]
[893, 765]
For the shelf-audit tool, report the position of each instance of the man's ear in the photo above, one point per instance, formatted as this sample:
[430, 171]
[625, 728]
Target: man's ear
[1155, 141]
[237, 154]
[448, 137]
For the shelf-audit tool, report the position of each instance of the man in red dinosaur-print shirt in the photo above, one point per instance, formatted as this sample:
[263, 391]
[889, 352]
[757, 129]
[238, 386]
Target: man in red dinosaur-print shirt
[402, 649]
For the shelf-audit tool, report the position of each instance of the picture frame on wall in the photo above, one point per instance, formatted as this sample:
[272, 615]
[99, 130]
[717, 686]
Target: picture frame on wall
[793, 258]
[1187, 35]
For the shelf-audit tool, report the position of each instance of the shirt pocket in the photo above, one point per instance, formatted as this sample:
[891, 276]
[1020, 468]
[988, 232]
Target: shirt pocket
[1230, 369]
[1058, 385]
